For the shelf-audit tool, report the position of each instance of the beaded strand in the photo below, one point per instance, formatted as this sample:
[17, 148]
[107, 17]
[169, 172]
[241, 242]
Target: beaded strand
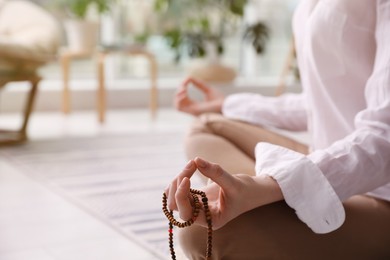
[197, 207]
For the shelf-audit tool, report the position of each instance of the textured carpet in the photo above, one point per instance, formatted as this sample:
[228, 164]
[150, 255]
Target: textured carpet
[118, 179]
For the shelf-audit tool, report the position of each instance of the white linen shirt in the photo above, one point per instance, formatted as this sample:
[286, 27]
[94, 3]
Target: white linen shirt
[343, 50]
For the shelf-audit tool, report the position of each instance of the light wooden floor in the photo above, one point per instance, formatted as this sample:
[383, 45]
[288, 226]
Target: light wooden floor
[37, 224]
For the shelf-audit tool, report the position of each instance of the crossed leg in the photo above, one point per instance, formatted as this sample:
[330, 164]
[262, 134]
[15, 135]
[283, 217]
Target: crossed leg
[232, 143]
[274, 231]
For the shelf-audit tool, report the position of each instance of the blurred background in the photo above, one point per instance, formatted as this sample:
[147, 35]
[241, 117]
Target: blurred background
[142, 22]
[88, 134]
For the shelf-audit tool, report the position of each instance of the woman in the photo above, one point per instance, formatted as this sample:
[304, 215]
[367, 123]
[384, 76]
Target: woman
[274, 198]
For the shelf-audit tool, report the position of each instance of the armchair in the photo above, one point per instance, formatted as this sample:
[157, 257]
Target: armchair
[29, 38]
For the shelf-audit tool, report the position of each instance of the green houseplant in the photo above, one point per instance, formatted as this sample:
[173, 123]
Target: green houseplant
[79, 8]
[200, 29]
[82, 33]
[192, 25]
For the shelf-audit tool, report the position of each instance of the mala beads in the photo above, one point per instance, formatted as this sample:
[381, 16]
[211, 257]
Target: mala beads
[197, 207]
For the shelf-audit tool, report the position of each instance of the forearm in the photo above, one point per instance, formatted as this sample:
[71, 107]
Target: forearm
[214, 106]
[261, 191]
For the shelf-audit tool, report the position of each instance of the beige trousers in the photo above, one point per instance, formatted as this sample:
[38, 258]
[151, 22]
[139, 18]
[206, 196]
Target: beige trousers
[274, 231]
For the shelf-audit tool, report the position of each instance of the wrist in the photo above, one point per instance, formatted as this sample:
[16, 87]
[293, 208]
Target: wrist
[221, 103]
[265, 191]
[219, 106]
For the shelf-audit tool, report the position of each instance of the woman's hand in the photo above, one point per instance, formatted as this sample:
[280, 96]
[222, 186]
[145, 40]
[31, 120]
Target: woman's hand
[212, 99]
[228, 195]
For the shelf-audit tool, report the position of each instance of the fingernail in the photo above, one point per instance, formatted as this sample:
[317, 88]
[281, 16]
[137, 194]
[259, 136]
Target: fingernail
[201, 163]
[183, 183]
[189, 164]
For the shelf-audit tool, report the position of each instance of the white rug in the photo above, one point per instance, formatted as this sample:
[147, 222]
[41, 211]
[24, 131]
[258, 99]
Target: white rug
[119, 179]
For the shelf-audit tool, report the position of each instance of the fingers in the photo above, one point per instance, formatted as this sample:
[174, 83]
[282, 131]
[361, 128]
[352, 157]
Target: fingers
[198, 84]
[182, 199]
[180, 96]
[182, 90]
[180, 100]
[187, 172]
[184, 104]
[215, 173]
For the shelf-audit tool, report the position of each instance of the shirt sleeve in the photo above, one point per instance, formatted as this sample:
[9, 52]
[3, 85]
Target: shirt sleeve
[304, 186]
[315, 185]
[285, 112]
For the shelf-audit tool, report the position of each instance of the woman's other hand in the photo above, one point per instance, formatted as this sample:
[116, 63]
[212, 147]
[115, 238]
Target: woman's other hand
[212, 101]
[228, 195]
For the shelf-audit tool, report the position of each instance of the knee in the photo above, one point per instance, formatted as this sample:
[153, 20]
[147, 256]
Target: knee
[202, 125]
[256, 234]
[192, 241]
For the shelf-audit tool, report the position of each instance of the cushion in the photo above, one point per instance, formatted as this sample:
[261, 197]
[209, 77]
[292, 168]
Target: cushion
[27, 32]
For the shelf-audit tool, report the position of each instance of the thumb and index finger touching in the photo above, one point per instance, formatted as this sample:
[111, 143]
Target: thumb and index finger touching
[180, 188]
[198, 84]
[172, 191]
[215, 172]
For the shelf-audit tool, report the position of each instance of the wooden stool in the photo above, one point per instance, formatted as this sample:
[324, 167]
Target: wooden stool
[66, 56]
[132, 51]
[102, 53]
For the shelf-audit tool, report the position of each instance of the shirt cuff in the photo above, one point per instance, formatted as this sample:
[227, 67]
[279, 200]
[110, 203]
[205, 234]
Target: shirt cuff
[304, 186]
